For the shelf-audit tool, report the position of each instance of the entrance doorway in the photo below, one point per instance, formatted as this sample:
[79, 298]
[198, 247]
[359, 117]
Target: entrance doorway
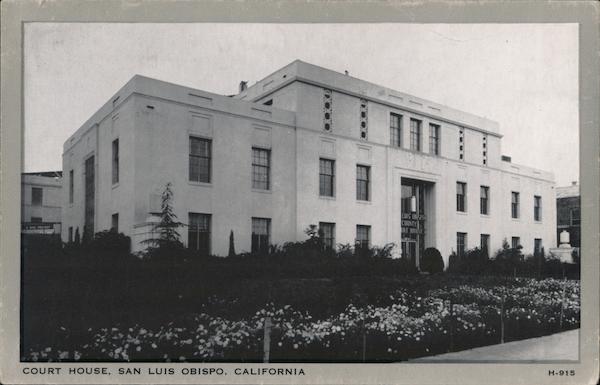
[413, 219]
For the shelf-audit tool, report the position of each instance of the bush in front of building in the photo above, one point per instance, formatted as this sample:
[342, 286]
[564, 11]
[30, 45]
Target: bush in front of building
[473, 261]
[432, 261]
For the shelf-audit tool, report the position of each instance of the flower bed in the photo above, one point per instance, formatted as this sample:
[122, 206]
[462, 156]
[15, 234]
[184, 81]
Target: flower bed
[410, 326]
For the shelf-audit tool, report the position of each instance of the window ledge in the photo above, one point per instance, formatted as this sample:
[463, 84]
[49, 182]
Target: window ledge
[262, 191]
[537, 222]
[462, 212]
[516, 219]
[327, 197]
[363, 202]
[203, 184]
[115, 185]
[485, 215]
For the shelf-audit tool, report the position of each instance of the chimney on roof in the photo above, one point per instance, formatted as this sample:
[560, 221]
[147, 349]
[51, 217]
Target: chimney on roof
[346, 72]
[574, 183]
[506, 158]
[243, 85]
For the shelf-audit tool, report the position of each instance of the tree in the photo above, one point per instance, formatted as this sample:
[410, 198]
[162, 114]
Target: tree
[432, 261]
[231, 245]
[166, 228]
[77, 240]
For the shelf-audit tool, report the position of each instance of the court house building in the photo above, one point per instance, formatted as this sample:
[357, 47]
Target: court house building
[305, 145]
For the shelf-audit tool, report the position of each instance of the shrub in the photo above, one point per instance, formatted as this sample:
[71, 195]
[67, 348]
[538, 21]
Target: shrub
[432, 261]
[109, 241]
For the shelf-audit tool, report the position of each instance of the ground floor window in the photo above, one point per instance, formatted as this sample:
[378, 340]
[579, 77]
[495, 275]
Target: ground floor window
[363, 235]
[461, 244]
[485, 244]
[261, 232]
[114, 222]
[327, 234]
[537, 246]
[199, 233]
[515, 242]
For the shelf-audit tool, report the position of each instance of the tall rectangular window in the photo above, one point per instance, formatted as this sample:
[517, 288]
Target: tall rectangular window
[537, 246]
[199, 233]
[115, 161]
[461, 196]
[434, 139]
[484, 200]
[537, 208]
[363, 236]
[261, 234]
[362, 182]
[200, 158]
[515, 242]
[514, 206]
[114, 222]
[485, 244]
[326, 177]
[327, 233]
[461, 244]
[90, 196]
[71, 185]
[575, 217]
[395, 130]
[70, 234]
[261, 167]
[415, 135]
[37, 196]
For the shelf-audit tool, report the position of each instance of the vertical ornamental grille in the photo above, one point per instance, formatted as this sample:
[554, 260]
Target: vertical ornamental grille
[484, 147]
[327, 110]
[364, 118]
[461, 144]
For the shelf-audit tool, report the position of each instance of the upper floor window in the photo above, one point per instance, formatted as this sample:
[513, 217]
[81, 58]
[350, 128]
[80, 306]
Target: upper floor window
[261, 234]
[514, 204]
[362, 182]
[575, 217]
[327, 234]
[484, 200]
[363, 236]
[199, 232]
[434, 139]
[115, 161]
[327, 109]
[71, 189]
[395, 130]
[364, 118]
[200, 157]
[261, 168]
[37, 196]
[461, 196]
[415, 135]
[326, 177]
[537, 208]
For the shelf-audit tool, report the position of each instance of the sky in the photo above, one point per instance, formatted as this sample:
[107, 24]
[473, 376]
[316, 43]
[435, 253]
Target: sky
[524, 76]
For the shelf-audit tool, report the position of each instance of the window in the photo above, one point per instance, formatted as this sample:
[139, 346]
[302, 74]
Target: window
[200, 156]
[327, 234]
[115, 161]
[71, 185]
[261, 231]
[199, 233]
[326, 177]
[395, 130]
[537, 208]
[363, 234]
[434, 139]
[415, 135]
[362, 183]
[485, 244]
[261, 165]
[37, 196]
[461, 244]
[36, 219]
[461, 196]
[70, 234]
[515, 242]
[484, 200]
[114, 222]
[514, 204]
[537, 247]
[575, 217]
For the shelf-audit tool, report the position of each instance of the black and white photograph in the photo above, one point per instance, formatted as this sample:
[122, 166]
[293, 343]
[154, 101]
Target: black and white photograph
[196, 197]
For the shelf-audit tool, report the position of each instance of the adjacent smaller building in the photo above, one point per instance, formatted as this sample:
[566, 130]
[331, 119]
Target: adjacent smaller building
[568, 213]
[41, 202]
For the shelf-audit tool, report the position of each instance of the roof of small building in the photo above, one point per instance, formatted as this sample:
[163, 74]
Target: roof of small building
[50, 174]
[567, 191]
